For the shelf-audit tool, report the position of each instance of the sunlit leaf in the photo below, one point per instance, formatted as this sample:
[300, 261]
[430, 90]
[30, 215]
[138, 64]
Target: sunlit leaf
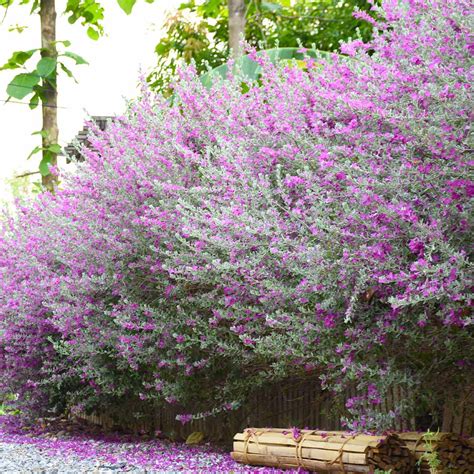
[68, 72]
[44, 165]
[35, 150]
[92, 34]
[18, 58]
[22, 85]
[43, 133]
[17, 28]
[76, 57]
[271, 6]
[46, 66]
[65, 43]
[54, 148]
[126, 5]
[34, 102]
[161, 48]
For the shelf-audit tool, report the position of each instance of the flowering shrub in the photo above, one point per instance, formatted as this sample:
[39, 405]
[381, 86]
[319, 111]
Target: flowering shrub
[317, 224]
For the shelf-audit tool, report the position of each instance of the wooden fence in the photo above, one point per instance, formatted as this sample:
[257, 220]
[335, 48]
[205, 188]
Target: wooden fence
[301, 404]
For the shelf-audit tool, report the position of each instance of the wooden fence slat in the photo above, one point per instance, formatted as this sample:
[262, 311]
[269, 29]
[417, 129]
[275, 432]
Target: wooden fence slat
[301, 404]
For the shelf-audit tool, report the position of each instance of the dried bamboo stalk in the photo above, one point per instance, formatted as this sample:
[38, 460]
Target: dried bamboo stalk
[290, 463]
[289, 451]
[321, 451]
[318, 441]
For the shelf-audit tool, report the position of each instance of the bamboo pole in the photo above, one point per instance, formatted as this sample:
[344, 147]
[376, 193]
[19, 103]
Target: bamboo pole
[322, 451]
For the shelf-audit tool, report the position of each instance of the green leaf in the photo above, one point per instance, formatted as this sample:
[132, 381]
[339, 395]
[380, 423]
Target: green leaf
[65, 43]
[76, 57]
[252, 71]
[18, 58]
[92, 34]
[270, 6]
[44, 165]
[46, 66]
[22, 85]
[34, 102]
[54, 148]
[161, 48]
[186, 5]
[210, 8]
[67, 71]
[37, 187]
[43, 133]
[244, 87]
[34, 5]
[126, 5]
[35, 150]
[17, 29]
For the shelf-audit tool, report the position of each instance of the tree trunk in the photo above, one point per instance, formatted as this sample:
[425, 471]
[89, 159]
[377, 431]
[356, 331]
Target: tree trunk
[236, 26]
[50, 99]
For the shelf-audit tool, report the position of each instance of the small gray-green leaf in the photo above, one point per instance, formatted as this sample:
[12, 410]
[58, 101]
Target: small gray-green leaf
[76, 57]
[46, 66]
[126, 5]
[22, 85]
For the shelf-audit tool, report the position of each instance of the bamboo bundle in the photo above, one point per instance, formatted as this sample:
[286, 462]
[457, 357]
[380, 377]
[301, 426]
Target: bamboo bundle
[453, 454]
[322, 452]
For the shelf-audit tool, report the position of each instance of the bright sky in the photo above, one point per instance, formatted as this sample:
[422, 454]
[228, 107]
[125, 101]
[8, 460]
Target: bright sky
[115, 62]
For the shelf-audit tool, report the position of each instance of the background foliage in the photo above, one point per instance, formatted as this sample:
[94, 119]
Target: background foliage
[198, 31]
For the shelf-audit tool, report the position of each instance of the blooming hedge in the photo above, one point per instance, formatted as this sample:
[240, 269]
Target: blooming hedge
[319, 222]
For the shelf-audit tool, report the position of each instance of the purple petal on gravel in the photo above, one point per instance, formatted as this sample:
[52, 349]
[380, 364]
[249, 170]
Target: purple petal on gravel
[130, 451]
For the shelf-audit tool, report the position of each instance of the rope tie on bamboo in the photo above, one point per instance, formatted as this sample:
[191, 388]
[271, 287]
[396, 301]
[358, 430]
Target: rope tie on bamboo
[338, 458]
[299, 448]
[253, 433]
[250, 433]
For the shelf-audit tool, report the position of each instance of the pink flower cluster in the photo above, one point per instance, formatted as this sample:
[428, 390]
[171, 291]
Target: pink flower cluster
[320, 222]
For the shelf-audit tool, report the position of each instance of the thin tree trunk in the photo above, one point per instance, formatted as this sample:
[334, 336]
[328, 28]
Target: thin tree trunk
[50, 100]
[236, 26]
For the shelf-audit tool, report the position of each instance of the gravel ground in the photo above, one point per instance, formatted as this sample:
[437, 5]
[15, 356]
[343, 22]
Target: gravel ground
[39, 456]
[62, 447]
[27, 458]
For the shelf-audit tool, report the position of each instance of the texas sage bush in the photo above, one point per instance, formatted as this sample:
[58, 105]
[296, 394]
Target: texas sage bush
[317, 224]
